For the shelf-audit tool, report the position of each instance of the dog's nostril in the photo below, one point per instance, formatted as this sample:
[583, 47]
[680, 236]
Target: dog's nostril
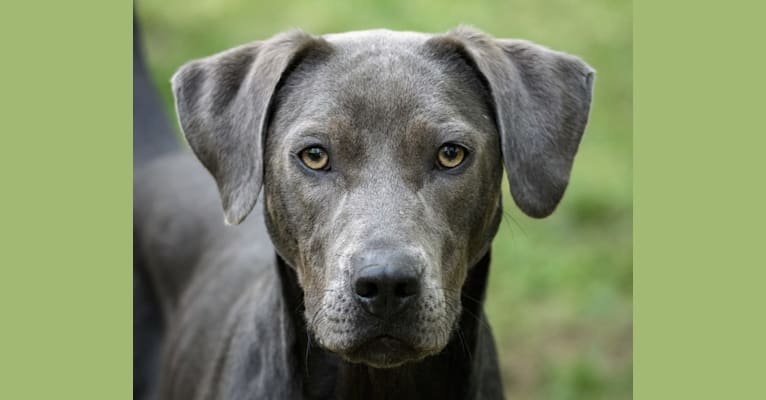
[406, 287]
[366, 288]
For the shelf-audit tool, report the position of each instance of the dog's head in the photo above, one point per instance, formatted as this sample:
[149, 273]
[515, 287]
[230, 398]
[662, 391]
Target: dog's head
[381, 157]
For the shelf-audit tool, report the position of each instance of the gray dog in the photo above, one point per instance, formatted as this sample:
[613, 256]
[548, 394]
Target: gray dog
[362, 275]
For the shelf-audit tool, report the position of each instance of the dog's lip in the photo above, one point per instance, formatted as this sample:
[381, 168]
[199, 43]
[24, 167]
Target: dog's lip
[383, 351]
[390, 340]
[382, 340]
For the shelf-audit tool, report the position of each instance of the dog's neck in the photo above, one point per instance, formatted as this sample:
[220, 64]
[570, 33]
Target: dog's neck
[325, 375]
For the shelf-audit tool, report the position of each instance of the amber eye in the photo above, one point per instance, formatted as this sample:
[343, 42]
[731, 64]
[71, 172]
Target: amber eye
[315, 158]
[450, 155]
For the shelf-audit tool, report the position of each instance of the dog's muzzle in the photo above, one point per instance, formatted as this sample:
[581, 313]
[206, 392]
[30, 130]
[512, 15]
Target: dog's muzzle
[386, 285]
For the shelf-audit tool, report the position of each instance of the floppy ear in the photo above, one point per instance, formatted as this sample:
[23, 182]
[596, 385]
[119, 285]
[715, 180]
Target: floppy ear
[541, 99]
[223, 104]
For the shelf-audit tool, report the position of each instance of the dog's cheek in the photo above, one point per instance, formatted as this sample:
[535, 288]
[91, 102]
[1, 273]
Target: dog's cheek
[478, 224]
[291, 210]
[282, 238]
[277, 199]
[435, 318]
[310, 268]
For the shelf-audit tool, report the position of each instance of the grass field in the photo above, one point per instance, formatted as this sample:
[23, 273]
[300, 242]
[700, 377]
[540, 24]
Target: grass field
[560, 296]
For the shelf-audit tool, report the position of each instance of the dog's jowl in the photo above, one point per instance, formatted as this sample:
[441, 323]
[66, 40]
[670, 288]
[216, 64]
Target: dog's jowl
[360, 180]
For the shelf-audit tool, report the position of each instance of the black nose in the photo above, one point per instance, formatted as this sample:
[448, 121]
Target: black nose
[387, 285]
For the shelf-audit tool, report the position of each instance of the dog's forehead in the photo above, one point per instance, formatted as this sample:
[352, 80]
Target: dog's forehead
[379, 77]
[380, 38]
[382, 91]
[379, 56]
[381, 53]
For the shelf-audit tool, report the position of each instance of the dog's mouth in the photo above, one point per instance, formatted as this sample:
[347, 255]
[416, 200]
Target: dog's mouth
[384, 351]
[358, 337]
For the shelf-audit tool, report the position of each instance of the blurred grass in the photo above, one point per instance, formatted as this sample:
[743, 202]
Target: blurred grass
[560, 294]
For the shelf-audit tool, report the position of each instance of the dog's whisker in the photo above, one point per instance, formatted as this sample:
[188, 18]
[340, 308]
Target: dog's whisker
[462, 340]
[481, 321]
[508, 217]
[468, 297]
[308, 349]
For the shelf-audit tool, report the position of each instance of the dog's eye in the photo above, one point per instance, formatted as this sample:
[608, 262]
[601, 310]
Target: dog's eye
[315, 158]
[450, 155]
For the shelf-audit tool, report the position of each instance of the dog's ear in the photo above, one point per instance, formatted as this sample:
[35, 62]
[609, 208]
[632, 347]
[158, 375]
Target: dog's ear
[223, 105]
[541, 99]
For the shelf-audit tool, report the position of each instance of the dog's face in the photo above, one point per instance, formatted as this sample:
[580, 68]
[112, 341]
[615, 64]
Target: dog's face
[382, 166]
[381, 156]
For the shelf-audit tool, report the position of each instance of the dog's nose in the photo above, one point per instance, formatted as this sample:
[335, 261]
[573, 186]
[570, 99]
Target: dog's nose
[387, 286]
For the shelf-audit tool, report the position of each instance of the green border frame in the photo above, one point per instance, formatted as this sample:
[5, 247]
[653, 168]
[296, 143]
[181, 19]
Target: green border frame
[65, 168]
[65, 214]
[698, 200]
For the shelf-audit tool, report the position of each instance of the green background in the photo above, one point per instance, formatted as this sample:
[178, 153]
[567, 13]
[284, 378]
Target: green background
[65, 212]
[561, 288]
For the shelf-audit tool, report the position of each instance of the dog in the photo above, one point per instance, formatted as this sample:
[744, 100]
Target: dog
[374, 160]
